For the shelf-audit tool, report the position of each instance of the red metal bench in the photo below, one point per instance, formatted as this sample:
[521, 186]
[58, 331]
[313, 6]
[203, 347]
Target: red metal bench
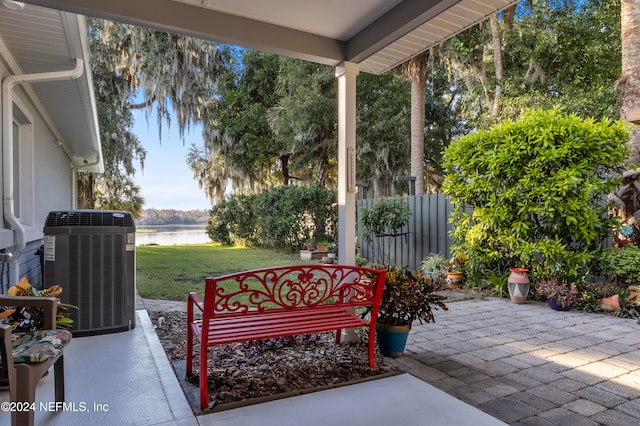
[281, 301]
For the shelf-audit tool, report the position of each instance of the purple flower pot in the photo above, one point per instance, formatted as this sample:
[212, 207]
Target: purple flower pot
[557, 307]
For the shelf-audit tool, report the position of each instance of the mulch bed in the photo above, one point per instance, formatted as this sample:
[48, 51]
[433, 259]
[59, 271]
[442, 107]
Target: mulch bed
[250, 372]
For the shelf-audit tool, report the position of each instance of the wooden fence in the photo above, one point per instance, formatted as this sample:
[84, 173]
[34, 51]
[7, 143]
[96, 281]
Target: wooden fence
[427, 232]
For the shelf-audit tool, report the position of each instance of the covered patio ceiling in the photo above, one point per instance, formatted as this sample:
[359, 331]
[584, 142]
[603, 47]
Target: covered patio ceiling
[352, 35]
[375, 34]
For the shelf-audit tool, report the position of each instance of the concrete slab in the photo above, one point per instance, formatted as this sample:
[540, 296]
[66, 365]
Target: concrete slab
[119, 378]
[399, 400]
[126, 379]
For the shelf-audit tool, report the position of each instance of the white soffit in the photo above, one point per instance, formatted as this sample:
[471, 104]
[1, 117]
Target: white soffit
[452, 21]
[39, 40]
[336, 19]
[377, 34]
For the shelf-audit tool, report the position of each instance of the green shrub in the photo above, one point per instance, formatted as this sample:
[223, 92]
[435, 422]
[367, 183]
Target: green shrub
[291, 215]
[530, 193]
[622, 263]
[233, 221]
[282, 217]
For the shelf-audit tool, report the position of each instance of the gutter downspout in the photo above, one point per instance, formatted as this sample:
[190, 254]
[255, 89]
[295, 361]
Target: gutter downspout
[7, 159]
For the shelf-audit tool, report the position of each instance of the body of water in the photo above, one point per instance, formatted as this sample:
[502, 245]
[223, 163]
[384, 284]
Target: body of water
[168, 235]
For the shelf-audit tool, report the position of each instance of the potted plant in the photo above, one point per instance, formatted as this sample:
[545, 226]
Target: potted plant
[311, 244]
[436, 266]
[333, 249]
[29, 318]
[385, 218]
[559, 296]
[455, 274]
[408, 296]
[323, 245]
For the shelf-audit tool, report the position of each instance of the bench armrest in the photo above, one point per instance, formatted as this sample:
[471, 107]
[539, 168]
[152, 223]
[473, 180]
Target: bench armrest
[194, 300]
[48, 304]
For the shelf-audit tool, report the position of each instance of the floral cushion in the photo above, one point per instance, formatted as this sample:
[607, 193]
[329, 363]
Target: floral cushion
[39, 345]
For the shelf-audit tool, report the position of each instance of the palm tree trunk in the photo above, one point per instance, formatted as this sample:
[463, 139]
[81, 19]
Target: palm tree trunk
[625, 197]
[414, 70]
[629, 84]
[510, 16]
[494, 109]
[417, 133]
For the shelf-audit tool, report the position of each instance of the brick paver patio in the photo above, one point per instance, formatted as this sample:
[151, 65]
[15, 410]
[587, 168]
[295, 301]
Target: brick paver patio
[530, 365]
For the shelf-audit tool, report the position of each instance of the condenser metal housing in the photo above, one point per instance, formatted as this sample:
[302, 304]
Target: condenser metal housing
[91, 254]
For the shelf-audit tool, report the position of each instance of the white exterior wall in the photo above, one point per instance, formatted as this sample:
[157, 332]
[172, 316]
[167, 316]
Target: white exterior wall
[46, 178]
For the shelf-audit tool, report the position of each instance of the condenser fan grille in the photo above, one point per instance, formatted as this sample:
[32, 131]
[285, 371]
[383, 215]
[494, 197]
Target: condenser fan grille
[89, 218]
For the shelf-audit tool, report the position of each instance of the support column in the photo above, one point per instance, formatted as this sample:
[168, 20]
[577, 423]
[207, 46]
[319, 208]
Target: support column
[347, 190]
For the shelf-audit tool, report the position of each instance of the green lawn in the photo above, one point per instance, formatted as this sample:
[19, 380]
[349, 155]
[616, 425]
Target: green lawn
[171, 272]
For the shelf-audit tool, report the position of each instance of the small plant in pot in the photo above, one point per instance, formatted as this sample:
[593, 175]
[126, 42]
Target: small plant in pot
[559, 296]
[310, 244]
[323, 245]
[408, 296]
[455, 274]
[384, 219]
[436, 266]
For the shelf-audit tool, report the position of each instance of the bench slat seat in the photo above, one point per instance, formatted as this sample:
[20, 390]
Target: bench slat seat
[279, 324]
[278, 302]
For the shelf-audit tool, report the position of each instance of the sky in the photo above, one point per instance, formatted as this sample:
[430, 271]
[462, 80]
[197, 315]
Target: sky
[167, 181]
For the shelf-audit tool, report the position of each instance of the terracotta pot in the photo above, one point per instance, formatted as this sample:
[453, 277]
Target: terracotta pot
[633, 292]
[610, 303]
[454, 279]
[518, 285]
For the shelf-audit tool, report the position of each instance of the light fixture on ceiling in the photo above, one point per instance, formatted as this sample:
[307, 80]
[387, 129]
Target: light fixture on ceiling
[12, 4]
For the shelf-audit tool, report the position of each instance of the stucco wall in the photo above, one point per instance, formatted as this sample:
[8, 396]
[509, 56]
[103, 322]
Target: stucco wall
[46, 182]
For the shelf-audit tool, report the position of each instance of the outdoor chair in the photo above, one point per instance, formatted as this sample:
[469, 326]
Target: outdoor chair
[27, 356]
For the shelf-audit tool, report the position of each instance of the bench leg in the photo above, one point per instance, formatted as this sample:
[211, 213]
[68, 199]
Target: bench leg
[189, 349]
[338, 336]
[204, 385]
[372, 347]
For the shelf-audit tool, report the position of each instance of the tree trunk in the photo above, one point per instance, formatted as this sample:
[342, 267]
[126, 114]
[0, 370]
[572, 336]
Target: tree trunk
[510, 16]
[629, 84]
[415, 70]
[494, 109]
[85, 197]
[322, 163]
[628, 196]
[286, 176]
[417, 133]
